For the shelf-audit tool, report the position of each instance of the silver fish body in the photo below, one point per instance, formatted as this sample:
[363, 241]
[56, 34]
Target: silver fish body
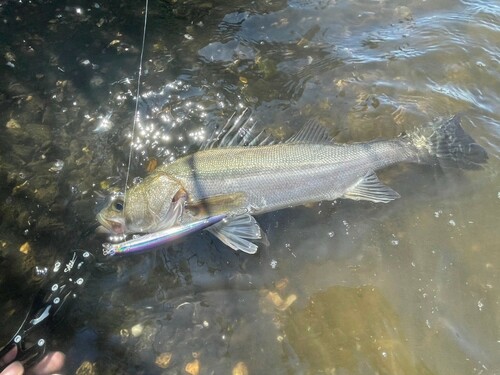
[240, 182]
[284, 175]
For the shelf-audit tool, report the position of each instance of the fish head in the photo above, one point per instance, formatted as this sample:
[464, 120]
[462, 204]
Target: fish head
[155, 203]
[111, 217]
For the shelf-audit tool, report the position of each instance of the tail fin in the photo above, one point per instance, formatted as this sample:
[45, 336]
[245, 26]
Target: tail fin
[453, 147]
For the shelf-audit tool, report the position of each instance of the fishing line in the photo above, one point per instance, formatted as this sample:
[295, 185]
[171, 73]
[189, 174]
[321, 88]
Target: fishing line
[136, 112]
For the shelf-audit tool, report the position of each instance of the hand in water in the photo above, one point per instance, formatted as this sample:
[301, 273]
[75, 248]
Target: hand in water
[52, 363]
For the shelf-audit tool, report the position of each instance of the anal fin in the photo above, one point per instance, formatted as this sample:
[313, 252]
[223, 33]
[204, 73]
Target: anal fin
[236, 232]
[370, 188]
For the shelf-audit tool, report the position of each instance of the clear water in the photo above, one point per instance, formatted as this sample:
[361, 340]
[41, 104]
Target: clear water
[410, 287]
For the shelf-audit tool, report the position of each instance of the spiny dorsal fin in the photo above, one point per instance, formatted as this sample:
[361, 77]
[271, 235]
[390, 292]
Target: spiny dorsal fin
[312, 132]
[239, 130]
[370, 188]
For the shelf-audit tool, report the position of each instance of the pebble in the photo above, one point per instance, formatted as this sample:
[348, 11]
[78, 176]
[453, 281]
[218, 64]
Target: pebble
[163, 360]
[193, 368]
[240, 369]
[403, 13]
[282, 284]
[136, 330]
[288, 302]
[124, 333]
[275, 298]
[25, 248]
[86, 368]
[57, 166]
[13, 124]
[280, 303]
[9, 57]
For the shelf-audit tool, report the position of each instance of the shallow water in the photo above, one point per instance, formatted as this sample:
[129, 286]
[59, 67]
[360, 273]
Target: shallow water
[407, 287]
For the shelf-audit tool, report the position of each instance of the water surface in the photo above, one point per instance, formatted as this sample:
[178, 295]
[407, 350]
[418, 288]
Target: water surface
[407, 287]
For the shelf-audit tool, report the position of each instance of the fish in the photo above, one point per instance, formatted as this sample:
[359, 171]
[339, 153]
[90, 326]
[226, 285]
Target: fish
[240, 177]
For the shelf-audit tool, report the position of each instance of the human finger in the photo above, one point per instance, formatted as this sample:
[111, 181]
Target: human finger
[52, 363]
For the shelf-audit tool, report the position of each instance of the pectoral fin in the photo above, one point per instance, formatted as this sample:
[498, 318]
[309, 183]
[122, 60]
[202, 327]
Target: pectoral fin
[237, 231]
[174, 213]
[369, 188]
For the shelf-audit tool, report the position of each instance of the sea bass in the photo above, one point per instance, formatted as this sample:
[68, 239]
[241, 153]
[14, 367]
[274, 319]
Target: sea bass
[227, 177]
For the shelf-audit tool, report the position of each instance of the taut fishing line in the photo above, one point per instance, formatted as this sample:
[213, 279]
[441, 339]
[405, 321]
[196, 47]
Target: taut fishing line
[136, 112]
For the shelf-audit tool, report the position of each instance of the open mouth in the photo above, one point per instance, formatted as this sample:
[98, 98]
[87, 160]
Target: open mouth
[110, 226]
[117, 227]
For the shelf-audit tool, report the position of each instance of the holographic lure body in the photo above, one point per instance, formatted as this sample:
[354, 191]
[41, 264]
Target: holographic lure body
[150, 241]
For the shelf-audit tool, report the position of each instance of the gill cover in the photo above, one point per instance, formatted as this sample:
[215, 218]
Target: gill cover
[156, 203]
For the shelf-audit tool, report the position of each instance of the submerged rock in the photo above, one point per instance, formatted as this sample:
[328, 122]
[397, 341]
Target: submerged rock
[227, 52]
[26, 141]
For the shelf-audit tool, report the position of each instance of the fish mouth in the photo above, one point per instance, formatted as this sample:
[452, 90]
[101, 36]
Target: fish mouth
[110, 226]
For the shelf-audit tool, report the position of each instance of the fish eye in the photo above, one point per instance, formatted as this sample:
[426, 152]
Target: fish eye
[118, 205]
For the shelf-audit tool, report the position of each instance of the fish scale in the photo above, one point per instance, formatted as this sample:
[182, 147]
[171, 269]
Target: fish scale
[284, 175]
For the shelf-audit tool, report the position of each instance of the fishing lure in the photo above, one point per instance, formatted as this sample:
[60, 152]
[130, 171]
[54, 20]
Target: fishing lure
[152, 240]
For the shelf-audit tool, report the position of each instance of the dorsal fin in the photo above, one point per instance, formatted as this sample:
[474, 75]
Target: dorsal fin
[311, 132]
[239, 130]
